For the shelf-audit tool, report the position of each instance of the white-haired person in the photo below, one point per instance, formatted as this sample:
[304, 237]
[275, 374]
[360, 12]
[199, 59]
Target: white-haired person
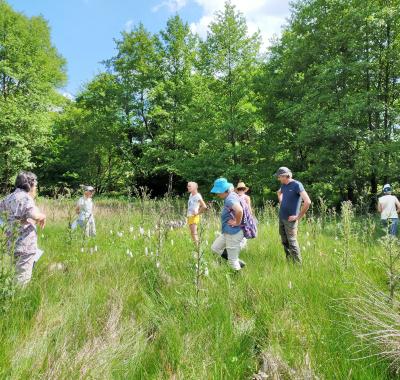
[290, 196]
[389, 207]
[85, 209]
[229, 242]
[196, 206]
[21, 215]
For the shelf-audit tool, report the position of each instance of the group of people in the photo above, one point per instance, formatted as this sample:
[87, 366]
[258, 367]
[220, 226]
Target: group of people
[237, 214]
[21, 216]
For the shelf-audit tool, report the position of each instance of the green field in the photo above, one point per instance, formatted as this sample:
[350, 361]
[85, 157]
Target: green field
[104, 309]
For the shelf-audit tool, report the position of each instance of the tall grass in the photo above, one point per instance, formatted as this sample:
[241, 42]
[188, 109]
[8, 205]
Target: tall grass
[121, 311]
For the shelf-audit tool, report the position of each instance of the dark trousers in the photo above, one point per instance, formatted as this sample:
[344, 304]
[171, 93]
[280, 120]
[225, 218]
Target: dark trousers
[288, 232]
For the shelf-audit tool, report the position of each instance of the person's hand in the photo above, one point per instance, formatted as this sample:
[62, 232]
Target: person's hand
[42, 221]
[232, 223]
[293, 218]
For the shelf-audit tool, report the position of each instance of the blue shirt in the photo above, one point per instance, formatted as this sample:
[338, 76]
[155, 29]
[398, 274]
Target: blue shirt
[228, 214]
[291, 199]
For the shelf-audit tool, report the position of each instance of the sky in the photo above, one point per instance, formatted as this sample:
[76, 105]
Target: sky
[84, 31]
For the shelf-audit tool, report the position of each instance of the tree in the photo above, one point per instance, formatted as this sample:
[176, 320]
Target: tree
[231, 59]
[137, 70]
[173, 97]
[329, 90]
[30, 71]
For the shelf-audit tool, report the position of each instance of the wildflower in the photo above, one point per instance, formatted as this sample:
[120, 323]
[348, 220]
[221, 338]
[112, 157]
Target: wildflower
[95, 248]
[335, 250]
[151, 253]
[303, 248]
[129, 253]
[308, 244]
[120, 234]
[42, 236]
[111, 232]
[158, 264]
[149, 233]
[206, 272]
[82, 250]
[336, 238]
[307, 233]
[172, 241]
[146, 251]
[141, 231]
[290, 284]
[207, 242]
[131, 229]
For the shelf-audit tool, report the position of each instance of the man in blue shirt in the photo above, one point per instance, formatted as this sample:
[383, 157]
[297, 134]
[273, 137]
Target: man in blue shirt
[290, 196]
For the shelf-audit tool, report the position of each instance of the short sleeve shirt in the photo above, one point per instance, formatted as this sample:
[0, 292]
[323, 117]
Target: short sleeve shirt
[291, 199]
[228, 213]
[194, 204]
[85, 207]
[388, 204]
[17, 209]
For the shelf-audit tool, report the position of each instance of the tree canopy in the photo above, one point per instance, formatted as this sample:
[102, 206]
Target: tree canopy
[171, 107]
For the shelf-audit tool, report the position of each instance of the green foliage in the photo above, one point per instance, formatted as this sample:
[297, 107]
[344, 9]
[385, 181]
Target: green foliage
[329, 93]
[171, 107]
[30, 70]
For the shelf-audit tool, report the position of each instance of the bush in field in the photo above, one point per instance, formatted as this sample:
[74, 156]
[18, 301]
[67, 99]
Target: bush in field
[346, 228]
[390, 261]
[376, 322]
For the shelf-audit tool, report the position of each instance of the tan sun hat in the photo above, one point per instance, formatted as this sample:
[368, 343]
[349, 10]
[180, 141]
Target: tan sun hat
[241, 185]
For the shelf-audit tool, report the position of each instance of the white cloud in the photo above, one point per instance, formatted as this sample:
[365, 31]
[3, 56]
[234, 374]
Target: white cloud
[267, 16]
[68, 95]
[172, 5]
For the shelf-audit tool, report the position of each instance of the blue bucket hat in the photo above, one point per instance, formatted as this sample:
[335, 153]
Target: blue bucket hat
[221, 185]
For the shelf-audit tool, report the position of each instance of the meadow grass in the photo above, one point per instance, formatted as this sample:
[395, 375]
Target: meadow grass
[124, 306]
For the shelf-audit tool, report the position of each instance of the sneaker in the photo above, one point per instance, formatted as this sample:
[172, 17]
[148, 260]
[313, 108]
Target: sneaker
[225, 256]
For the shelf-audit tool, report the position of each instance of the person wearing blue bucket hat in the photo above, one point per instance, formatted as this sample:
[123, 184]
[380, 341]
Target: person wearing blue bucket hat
[228, 243]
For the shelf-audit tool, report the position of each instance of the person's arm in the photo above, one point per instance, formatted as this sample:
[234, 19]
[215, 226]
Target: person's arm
[78, 207]
[203, 206]
[306, 205]
[32, 215]
[397, 205]
[248, 201]
[279, 192]
[38, 217]
[238, 215]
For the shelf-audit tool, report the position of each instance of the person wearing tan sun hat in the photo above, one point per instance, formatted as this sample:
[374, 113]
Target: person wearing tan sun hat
[241, 190]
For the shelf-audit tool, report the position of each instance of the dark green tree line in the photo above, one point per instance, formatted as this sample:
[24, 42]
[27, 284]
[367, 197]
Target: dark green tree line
[172, 107]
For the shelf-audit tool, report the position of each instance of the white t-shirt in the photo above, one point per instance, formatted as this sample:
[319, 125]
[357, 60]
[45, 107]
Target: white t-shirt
[194, 204]
[388, 204]
[85, 207]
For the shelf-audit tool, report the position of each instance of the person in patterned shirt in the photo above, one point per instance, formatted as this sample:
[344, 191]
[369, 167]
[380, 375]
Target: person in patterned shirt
[20, 214]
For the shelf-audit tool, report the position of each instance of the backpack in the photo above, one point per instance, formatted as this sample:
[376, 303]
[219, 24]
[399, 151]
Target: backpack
[249, 223]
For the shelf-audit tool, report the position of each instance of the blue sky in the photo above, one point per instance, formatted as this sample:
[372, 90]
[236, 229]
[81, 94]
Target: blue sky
[84, 30]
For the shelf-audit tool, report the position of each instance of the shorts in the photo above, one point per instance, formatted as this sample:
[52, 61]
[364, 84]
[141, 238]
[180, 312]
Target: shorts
[193, 219]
